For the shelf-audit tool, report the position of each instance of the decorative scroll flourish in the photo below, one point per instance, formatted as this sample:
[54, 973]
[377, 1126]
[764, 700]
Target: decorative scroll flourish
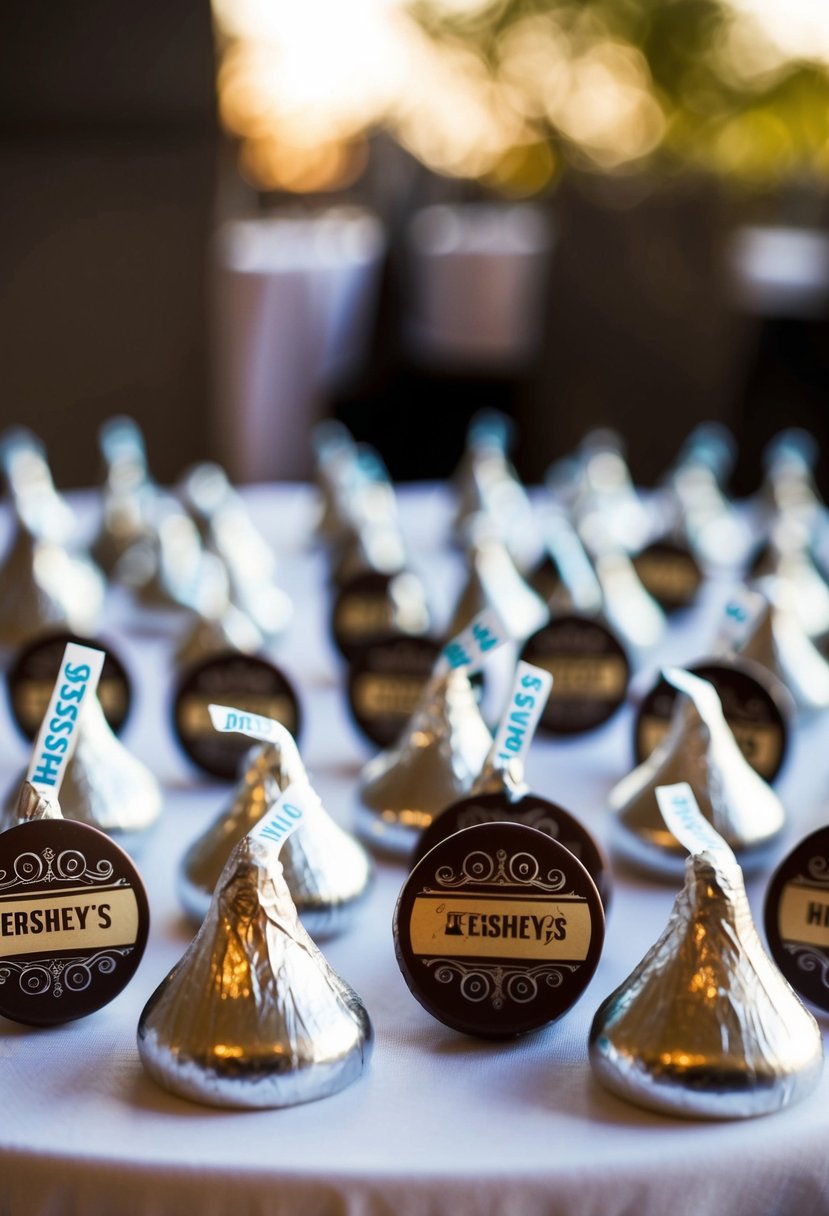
[810, 961]
[818, 871]
[502, 870]
[70, 865]
[60, 975]
[496, 983]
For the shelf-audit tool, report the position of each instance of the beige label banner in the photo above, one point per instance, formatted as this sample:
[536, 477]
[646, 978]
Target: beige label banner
[375, 694]
[83, 920]
[801, 915]
[462, 927]
[584, 677]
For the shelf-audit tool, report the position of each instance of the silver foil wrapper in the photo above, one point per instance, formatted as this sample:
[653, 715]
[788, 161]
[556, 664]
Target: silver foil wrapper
[43, 586]
[33, 804]
[105, 786]
[228, 531]
[777, 641]
[327, 872]
[494, 581]
[128, 493]
[706, 1027]
[717, 534]
[700, 749]
[233, 630]
[253, 1016]
[439, 754]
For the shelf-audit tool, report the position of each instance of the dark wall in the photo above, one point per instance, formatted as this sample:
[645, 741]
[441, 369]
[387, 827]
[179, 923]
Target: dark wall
[107, 160]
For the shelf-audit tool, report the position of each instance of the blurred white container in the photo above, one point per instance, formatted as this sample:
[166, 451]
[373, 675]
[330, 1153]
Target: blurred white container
[475, 284]
[294, 302]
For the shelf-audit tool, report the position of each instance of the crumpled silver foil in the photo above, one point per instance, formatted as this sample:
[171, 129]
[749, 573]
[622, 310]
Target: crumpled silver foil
[253, 1016]
[700, 749]
[434, 762]
[104, 785]
[706, 1027]
[326, 870]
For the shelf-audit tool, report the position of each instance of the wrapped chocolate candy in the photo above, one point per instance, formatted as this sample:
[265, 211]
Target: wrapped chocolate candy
[231, 630]
[763, 626]
[700, 749]
[630, 610]
[44, 583]
[494, 581]
[487, 484]
[789, 489]
[500, 794]
[253, 1016]
[228, 531]
[327, 872]
[80, 911]
[706, 1026]
[104, 786]
[717, 534]
[438, 754]
[606, 503]
[128, 493]
[565, 578]
[786, 557]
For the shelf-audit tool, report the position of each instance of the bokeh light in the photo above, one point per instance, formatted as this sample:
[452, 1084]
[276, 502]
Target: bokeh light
[511, 91]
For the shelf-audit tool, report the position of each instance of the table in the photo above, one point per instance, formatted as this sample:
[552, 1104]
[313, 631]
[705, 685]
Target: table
[440, 1123]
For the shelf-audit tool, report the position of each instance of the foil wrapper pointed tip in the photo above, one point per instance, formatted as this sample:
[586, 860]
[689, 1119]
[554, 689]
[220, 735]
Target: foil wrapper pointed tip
[253, 1016]
[700, 749]
[33, 804]
[706, 1026]
[433, 764]
[328, 872]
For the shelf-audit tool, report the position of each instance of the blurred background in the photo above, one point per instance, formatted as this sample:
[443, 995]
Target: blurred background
[232, 221]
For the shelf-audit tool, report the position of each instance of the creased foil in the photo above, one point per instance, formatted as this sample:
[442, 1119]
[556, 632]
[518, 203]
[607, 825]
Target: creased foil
[253, 1016]
[494, 581]
[700, 749]
[105, 786]
[438, 755]
[45, 586]
[231, 631]
[33, 804]
[778, 642]
[327, 872]
[706, 1026]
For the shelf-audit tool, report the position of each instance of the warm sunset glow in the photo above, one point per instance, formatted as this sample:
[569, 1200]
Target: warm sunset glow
[483, 89]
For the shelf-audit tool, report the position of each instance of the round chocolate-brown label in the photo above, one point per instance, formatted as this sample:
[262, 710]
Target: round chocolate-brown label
[498, 930]
[753, 707]
[243, 682]
[670, 573]
[590, 672]
[73, 921]
[372, 606]
[532, 812]
[385, 683]
[31, 679]
[797, 918]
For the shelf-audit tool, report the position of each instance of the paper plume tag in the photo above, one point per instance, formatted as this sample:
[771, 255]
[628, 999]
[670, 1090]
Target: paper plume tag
[473, 645]
[80, 671]
[524, 708]
[684, 818]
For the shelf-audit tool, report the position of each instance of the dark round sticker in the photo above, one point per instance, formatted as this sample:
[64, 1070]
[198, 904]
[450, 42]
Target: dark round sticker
[754, 704]
[590, 673]
[385, 683]
[797, 918]
[532, 812]
[242, 682]
[73, 921]
[31, 679]
[670, 573]
[372, 606]
[498, 930]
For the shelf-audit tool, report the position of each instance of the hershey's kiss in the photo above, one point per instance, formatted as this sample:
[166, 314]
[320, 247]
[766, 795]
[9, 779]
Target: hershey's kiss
[326, 870]
[706, 1026]
[105, 786]
[128, 493]
[33, 804]
[43, 585]
[253, 1015]
[775, 639]
[787, 557]
[630, 610]
[438, 755]
[699, 748]
[717, 534]
[230, 629]
[494, 581]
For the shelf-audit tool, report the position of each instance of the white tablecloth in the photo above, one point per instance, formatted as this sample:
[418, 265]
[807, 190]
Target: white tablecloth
[440, 1123]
